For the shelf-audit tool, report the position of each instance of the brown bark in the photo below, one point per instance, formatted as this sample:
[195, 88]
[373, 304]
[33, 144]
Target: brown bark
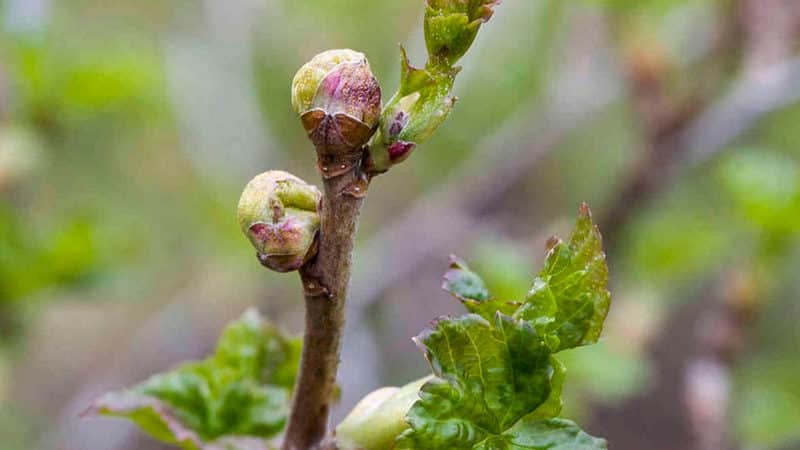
[325, 280]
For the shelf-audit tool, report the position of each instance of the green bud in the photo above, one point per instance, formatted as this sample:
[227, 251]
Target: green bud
[378, 418]
[451, 26]
[278, 214]
[339, 102]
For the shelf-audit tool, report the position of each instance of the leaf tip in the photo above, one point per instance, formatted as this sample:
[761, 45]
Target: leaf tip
[552, 243]
[584, 211]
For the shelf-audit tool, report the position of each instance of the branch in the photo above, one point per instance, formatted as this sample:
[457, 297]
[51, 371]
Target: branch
[325, 282]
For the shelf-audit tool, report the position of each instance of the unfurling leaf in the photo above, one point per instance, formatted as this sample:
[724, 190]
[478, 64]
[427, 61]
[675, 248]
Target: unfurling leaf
[488, 377]
[424, 98]
[569, 299]
[497, 384]
[571, 293]
[550, 434]
[239, 395]
[465, 285]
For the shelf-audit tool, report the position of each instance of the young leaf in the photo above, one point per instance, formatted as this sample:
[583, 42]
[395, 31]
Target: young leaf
[552, 406]
[465, 285]
[425, 98]
[570, 294]
[497, 384]
[550, 434]
[488, 377]
[451, 26]
[238, 395]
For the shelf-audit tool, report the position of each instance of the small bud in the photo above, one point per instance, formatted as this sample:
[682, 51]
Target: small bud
[378, 418]
[451, 26]
[278, 214]
[339, 102]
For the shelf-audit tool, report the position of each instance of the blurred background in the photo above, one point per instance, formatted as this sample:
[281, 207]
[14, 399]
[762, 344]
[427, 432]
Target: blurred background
[128, 129]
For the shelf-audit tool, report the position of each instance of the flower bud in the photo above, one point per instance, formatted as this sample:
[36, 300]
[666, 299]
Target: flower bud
[278, 214]
[339, 102]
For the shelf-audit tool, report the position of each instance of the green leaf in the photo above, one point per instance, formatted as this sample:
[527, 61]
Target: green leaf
[488, 377]
[465, 285]
[552, 406]
[570, 296]
[497, 384]
[550, 434]
[238, 395]
[569, 299]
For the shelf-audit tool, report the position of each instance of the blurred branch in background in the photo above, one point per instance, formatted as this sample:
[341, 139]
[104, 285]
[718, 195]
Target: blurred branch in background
[677, 141]
[680, 137]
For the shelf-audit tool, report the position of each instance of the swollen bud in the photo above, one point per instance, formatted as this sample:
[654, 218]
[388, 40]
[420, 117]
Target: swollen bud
[339, 102]
[378, 418]
[278, 214]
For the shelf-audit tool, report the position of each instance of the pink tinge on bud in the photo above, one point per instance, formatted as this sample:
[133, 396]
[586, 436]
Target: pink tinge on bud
[331, 85]
[350, 89]
[275, 239]
[400, 150]
[344, 114]
[260, 231]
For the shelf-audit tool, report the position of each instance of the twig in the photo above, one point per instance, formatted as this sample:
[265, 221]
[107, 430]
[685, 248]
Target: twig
[325, 282]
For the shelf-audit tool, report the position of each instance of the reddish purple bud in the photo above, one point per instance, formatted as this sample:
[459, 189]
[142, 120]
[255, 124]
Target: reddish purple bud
[400, 150]
[343, 113]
